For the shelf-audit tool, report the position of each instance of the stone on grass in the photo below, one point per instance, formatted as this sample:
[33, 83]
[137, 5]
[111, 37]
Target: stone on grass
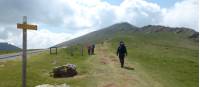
[48, 85]
[68, 70]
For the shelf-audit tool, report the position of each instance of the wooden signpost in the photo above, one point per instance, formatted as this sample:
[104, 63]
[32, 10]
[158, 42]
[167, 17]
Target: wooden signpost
[71, 51]
[53, 52]
[81, 50]
[24, 27]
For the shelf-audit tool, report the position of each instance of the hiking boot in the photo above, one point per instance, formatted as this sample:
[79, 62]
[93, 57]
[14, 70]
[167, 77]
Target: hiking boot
[122, 66]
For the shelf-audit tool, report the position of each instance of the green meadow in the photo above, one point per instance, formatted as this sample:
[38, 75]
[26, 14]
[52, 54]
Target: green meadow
[154, 60]
[8, 51]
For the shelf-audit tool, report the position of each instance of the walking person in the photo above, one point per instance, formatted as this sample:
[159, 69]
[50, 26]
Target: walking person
[121, 52]
[93, 46]
[89, 49]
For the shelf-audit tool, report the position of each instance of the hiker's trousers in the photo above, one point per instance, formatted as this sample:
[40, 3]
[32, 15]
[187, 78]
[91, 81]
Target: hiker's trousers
[121, 59]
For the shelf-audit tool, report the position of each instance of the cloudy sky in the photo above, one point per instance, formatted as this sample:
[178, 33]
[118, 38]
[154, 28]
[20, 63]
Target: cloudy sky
[62, 20]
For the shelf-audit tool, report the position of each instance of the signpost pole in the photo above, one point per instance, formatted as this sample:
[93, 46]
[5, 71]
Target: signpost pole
[24, 53]
[81, 50]
[24, 28]
[71, 51]
[56, 50]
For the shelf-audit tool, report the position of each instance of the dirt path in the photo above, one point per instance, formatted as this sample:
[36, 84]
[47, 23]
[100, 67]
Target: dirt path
[108, 73]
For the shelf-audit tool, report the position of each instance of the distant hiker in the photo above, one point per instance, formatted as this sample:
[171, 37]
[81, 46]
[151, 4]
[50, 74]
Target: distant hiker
[89, 47]
[121, 52]
[93, 46]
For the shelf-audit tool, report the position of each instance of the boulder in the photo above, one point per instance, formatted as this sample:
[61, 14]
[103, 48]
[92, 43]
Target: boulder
[68, 70]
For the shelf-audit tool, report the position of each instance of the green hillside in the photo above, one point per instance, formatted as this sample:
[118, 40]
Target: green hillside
[128, 29]
[167, 57]
[157, 57]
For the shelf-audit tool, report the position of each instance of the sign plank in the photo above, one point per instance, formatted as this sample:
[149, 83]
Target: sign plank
[27, 26]
[24, 27]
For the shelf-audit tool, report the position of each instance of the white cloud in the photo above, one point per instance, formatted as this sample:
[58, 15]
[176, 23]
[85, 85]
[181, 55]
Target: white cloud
[44, 38]
[37, 39]
[139, 12]
[77, 17]
[183, 14]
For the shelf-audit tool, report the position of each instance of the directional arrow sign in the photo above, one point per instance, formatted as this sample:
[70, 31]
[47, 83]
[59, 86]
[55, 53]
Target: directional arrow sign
[27, 26]
[24, 28]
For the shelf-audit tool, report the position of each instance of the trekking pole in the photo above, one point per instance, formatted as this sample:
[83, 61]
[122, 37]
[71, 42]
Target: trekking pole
[71, 51]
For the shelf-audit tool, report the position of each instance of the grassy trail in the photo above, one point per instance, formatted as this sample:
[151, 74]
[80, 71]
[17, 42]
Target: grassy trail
[103, 69]
[107, 72]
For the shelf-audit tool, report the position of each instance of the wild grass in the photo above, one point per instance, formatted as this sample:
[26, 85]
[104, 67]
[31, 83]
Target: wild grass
[169, 58]
[39, 66]
[8, 51]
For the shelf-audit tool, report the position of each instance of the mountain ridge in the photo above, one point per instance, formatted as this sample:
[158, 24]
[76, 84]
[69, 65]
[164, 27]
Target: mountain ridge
[7, 46]
[126, 28]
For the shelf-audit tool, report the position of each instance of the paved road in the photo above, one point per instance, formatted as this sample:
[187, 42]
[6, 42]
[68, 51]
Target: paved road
[14, 55]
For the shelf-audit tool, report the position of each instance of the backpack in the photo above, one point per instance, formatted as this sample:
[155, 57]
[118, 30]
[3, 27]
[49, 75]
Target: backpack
[122, 49]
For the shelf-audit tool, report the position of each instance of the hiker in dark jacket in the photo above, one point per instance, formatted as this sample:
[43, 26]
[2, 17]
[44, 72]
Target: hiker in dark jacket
[93, 46]
[122, 52]
[89, 49]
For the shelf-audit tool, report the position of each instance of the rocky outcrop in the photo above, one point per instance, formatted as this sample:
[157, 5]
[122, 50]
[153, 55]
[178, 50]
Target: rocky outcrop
[195, 36]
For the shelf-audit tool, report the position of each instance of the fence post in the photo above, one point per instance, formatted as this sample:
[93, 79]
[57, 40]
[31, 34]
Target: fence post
[71, 51]
[81, 50]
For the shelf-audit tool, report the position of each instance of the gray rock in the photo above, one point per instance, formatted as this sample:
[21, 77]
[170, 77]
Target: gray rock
[68, 70]
[48, 85]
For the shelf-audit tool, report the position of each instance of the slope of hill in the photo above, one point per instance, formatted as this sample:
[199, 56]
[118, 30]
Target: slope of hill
[102, 34]
[156, 58]
[6, 46]
[168, 55]
[125, 28]
[158, 28]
